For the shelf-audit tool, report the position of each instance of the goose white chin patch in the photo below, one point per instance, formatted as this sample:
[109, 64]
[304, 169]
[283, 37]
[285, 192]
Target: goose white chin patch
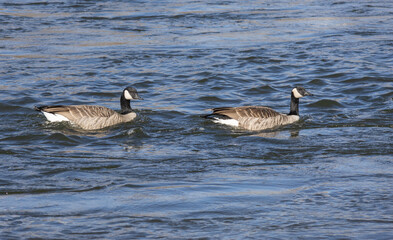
[296, 93]
[230, 122]
[53, 117]
[127, 95]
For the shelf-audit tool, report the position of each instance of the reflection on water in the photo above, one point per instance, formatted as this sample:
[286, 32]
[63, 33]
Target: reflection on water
[69, 129]
[279, 134]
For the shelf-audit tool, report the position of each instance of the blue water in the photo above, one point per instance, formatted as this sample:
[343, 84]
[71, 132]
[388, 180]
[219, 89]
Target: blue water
[171, 174]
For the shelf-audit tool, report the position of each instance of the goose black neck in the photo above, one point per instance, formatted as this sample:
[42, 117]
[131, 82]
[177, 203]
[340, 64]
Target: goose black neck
[125, 105]
[294, 110]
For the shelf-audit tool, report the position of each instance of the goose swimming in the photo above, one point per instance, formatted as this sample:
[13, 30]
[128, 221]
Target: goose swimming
[259, 117]
[92, 117]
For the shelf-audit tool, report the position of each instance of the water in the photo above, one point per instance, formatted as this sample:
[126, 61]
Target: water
[171, 174]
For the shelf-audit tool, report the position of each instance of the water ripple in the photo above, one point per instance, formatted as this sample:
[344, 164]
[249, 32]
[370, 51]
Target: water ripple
[170, 173]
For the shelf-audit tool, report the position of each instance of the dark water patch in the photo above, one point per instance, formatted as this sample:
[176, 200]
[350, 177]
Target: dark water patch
[317, 82]
[139, 17]
[21, 140]
[106, 167]
[97, 93]
[257, 60]
[130, 29]
[28, 3]
[388, 96]
[388, 111]
[266, 89]
[10, 108]
[213, 99]
[7, 152]
[360, 90]
[20, 100]
[335, 76]
[63, 139]
[94, 18]
[325, 103]
[135, 186]
[367, 80]
[35, 191]
[41, 191]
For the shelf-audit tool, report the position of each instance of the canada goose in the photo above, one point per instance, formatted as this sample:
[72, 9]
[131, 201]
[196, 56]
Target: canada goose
[258, 117]
[92, 117]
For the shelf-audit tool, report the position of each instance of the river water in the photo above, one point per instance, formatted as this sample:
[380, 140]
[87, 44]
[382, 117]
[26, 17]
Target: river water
[171, 174]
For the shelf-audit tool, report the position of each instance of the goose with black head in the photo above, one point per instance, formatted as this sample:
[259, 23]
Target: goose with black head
[92, 117]
[259, 117]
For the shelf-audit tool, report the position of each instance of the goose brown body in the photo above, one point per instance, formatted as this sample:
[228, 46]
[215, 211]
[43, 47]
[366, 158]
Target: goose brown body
[259, 117]
[254, 117]
[92, 117]
[89, 117]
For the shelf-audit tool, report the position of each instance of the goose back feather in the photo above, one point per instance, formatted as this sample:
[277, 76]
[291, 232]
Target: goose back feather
[246, 112]
[92, 117]
[88, 117]
[251, 117]
[259, 117]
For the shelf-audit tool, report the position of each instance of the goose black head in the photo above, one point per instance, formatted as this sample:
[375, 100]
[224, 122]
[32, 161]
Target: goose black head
[130, 93]
[299, 92]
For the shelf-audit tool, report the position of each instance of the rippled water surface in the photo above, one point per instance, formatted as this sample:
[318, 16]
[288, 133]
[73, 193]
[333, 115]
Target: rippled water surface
[171, 174]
